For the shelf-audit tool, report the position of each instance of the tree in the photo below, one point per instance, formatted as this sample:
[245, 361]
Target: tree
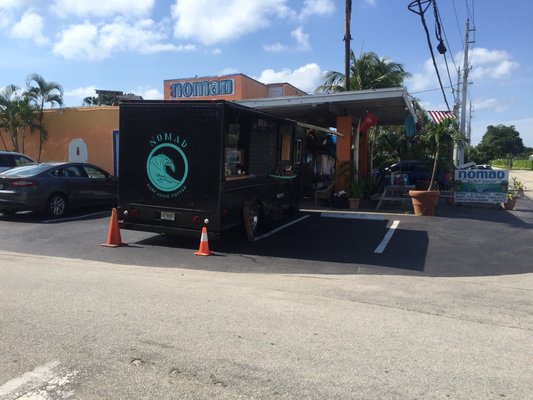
[16, 114]
[499, 142]
[367, 72]
[440, 138]
[43, 93]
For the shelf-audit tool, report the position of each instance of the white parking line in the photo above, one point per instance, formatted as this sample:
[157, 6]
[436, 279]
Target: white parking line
[30, 380]
[48, 221]
[43, 383]
[381, 248]
[376, 217]
[280, 228]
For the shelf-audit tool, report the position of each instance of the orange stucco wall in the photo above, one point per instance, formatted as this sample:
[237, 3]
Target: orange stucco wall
[94, 125]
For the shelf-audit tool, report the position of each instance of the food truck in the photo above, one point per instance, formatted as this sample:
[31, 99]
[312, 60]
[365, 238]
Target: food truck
[185, 165]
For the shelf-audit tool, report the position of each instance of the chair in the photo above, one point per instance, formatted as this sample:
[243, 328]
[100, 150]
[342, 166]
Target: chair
[324, 193]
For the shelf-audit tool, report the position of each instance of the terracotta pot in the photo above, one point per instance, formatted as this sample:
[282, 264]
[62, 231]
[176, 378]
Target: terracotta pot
[354, 202]
[424, 201]
[510, 204]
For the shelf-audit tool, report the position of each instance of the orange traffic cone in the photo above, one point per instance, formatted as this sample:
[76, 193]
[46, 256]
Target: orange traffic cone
[113, 237]
[204, 244]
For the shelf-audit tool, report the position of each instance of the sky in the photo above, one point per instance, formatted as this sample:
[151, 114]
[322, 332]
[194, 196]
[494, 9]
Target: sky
[133, 46]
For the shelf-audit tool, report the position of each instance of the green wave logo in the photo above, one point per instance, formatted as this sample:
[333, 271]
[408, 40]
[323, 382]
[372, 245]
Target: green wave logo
[167, 167]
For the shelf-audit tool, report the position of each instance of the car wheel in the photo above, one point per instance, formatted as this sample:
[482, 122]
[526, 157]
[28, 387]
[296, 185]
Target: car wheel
[57, 205]
[251, 212]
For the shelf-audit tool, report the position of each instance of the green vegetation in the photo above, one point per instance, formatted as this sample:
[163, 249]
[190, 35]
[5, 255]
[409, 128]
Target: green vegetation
[369, 71]
[22, 111]
[512, 164]
[501, 146]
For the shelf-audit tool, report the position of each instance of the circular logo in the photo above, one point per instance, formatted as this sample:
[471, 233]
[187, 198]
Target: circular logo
[167, 167]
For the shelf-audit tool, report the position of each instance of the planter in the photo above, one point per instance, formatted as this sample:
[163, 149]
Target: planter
[510, 204]
[354, 202]
[424, 201]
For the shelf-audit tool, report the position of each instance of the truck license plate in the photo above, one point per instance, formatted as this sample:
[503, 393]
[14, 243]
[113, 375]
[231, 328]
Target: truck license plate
[168, 216]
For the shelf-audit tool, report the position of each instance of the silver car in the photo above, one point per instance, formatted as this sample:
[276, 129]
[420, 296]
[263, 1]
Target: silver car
[10, 159]
[55, 187]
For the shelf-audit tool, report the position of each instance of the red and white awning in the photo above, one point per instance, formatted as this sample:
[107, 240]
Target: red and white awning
[439, 116]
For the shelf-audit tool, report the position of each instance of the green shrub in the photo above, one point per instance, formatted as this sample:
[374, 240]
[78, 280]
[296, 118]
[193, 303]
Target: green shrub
[512, 164]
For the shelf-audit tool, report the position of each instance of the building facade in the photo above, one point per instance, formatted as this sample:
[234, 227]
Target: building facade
[227, 87]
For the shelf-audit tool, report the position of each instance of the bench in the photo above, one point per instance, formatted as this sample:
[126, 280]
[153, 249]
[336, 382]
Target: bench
[394, 193]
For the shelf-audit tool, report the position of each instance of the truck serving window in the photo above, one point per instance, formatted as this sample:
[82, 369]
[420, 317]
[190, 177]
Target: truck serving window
[286, 139]
[234, 153]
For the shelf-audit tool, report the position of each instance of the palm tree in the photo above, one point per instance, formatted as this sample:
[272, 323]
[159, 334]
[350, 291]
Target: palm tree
[367, 72]
[43, 93]
[16, 113]
[9, 101]
[25, 115]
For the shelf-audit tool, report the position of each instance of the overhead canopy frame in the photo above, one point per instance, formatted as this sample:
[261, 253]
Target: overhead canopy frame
[390, 105]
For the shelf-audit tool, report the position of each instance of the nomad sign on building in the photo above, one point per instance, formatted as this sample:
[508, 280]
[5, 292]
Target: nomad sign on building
[206, 88]
[481, 185]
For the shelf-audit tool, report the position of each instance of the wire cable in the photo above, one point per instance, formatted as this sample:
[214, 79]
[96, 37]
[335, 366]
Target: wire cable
[421, 14]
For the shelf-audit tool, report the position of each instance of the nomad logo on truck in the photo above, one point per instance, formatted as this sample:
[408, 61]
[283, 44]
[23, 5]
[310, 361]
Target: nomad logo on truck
[167, 166]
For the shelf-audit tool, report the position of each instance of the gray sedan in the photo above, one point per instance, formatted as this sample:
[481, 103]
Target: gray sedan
[55, 187]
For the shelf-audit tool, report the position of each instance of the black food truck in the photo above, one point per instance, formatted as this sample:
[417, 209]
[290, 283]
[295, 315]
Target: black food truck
[184, 165]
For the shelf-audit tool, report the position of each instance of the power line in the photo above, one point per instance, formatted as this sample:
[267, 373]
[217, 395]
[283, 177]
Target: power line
[421, 12]
[439, 29]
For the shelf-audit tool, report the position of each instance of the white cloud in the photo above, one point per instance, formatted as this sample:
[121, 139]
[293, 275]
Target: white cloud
[148, 93]
[486, 64]
[301, 38]
[372, 3]
[493, 64]
[318, 7]
[275, 48]
[89, 41]
[30, 27]
[210, 22]
[10, 4]
[228, 71]
[102, 8]
[4, 21]
[80, 93]
[423, 80]
[306, 78]
[489, 104]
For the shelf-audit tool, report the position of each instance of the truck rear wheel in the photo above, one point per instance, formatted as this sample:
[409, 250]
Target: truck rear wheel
[251, 213]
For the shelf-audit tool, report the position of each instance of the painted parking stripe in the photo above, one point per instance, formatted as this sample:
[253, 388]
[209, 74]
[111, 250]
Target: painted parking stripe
[376, 217]
[280, 228]
[43, 383]
[76, 218]
[30, 380]
[381, 248]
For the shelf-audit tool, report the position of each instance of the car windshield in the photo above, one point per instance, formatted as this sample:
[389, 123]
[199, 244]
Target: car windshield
[26, 170]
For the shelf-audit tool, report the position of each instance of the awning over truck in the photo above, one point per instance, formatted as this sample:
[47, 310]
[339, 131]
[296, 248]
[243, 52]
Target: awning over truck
[390, 106]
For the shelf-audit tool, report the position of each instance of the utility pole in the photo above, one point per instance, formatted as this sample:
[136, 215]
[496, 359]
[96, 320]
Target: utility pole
[347, 38]
[466, 69]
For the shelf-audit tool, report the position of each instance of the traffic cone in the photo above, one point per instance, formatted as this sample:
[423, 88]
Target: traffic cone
[113, 237]
[204, 245]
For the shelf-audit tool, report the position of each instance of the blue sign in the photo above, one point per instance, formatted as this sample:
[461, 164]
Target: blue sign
[207, 88]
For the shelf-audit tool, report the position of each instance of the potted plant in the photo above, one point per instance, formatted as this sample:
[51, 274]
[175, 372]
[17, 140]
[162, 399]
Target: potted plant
[349, 183]
[516, 189]
[425, 201]
[356, 191]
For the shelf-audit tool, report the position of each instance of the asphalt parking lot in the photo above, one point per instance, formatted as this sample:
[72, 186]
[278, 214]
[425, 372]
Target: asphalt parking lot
[336, 306]
[467, 240]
